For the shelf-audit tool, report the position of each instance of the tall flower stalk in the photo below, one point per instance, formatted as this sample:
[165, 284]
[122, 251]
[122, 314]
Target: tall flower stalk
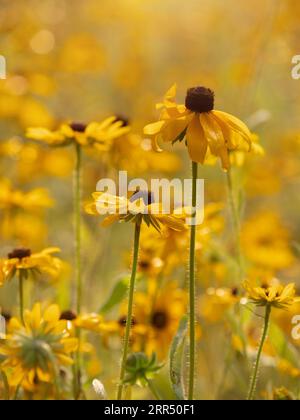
[130, 307]
[78, 273]
[139, 208]
[206, 132]
[273, 296]
[192, 286]
[253, 381]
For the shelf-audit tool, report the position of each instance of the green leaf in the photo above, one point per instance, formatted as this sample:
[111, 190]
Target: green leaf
[176, 359]
[117, 295]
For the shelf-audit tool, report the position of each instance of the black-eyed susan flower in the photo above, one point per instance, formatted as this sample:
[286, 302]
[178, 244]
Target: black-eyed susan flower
[276, 295]
[91, 136]
[98, 135]
[22, 260]
[154, 322]
[34, 351]
[87, 321]
[205, 129]
[33, 200]
[273, 296]
[139, 208]
[206, 132]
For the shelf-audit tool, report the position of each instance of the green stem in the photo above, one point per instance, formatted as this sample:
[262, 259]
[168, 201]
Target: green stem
[236, 222]
[153, 389]
[130, 307]
[78, 276]
[192, 284]
[260, 349]
[21, 295]
[77, 212]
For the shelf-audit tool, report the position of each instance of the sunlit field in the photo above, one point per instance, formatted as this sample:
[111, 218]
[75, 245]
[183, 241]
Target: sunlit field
[106, 294]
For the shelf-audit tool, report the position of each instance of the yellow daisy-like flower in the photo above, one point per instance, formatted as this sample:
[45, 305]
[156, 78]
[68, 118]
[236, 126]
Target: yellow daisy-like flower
[276, 295]
[36, 199]
[98, 135]
[205, 130]
[22, 260]
[87, 321]
[155, 320]
[139, 207]
[33, 352]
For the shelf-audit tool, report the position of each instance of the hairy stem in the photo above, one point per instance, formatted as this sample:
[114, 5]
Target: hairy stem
[253, 381]
[130, 308]
[78, 274]
[192, 285]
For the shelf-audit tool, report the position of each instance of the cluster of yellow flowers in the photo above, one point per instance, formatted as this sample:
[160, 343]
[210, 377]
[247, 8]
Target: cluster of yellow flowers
[40, 344]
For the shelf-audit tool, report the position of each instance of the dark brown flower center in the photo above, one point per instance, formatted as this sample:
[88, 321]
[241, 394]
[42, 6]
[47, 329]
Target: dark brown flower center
[144, 265]
[146, 196]
[19, 253]
[234, 291]
[123, 321]
[79, 127]
[200, 99]
[159, 320]
[68, 315]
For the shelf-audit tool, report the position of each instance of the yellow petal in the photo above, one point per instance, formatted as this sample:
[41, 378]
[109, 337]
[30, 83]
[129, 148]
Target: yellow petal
[52, 314]
[109, 220]
[154, 128]
[196, 141]
[215, 137]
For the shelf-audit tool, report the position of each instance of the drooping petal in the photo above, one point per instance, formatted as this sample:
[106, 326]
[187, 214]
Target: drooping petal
[215, 137]
[196, 141]
[235, 124]
[172, 222]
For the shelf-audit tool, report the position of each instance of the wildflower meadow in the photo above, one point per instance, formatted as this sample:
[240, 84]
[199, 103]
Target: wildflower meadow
[149, 202]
